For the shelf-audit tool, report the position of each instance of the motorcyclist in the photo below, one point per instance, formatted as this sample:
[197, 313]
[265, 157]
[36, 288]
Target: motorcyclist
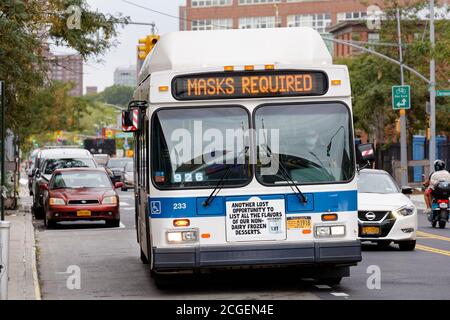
[440, 173]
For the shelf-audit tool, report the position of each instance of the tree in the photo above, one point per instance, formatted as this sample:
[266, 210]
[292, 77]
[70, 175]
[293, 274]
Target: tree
[118, 95]
[373, 77]
[27, 28]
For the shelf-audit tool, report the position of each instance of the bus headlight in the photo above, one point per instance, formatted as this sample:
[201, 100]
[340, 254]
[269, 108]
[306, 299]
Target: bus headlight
[330, 231]
[181, 236]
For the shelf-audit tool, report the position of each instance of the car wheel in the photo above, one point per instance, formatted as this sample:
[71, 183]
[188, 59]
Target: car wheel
[442, 224]
[51, 224]
[113, 223]
[407, 245]
[383, 244]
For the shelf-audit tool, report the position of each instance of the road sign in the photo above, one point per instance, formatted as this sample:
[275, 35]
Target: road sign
[442, 93]
[124, 135]
[401, 97]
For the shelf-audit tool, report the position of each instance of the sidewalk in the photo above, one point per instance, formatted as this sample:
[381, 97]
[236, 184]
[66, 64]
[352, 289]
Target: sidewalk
[23, 281]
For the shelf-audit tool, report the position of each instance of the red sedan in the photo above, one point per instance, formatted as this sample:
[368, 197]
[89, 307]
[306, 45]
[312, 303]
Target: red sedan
[81, 194]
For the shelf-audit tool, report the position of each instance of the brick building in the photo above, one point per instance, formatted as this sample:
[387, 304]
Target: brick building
[319, 14]
[67, 68]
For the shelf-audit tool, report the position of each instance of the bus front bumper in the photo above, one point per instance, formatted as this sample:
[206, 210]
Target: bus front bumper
[346, 253]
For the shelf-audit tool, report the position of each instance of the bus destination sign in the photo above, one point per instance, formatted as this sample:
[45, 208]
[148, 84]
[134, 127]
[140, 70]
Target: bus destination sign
[254, 84]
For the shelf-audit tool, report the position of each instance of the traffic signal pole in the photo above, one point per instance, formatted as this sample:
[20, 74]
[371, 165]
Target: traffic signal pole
[403, 143]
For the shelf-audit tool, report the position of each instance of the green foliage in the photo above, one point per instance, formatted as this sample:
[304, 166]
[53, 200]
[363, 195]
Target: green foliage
[117, 95]
[373, 77]
[27, 28]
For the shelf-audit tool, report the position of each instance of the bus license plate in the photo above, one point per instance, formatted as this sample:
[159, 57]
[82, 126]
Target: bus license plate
[299, 223]
[83, 213]
[371, 230]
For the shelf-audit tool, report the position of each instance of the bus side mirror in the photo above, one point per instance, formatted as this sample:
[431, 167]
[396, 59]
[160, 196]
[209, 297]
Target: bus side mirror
[130, 120]
[365, 153]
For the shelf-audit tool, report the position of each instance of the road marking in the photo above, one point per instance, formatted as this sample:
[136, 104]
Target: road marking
[432, 236]
[125, 204]
[121, 225]
[339, 294]
[433, 250]
[322, 286]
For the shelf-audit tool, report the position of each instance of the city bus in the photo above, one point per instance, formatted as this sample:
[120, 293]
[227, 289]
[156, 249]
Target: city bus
[244, 155]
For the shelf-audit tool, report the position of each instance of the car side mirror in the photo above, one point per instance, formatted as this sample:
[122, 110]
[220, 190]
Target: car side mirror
[365, 153]
[118, 185]
[407, 190]
[43, 186]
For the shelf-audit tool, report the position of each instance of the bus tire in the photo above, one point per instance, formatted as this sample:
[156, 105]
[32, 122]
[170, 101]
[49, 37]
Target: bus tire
[162, 281]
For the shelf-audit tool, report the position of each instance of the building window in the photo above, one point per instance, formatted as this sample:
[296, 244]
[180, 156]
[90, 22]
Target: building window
[318, 22]
[211, 3]
[256, 22]
[351, 16]
[244, 2]
[212, 24]
[373, 37]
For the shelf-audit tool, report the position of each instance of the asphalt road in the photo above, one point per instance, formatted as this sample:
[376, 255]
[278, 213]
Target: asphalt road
[110, 268]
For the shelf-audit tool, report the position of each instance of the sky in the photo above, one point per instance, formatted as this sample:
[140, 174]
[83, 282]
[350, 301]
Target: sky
[124, 54]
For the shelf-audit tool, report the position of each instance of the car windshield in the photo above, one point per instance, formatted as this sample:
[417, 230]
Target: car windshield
[118, 163]
[53, 164]
[376, 183]
[75, 180]
[312, 143]
[199, 147]
[129, 167]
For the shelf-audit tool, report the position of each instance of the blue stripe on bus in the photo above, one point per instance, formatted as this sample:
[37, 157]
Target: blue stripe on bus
[189, 207]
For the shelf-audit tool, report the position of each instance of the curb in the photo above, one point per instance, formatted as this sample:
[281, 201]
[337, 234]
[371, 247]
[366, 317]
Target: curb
[37, 289]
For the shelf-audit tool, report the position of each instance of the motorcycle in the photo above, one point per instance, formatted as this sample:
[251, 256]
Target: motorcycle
[440, 205]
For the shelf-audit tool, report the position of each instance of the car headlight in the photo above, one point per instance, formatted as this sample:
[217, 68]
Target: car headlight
[110, 200]
[404, 211]
[57, 202]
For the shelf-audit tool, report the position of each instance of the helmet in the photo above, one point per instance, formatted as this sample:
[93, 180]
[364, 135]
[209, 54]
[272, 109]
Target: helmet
[439, 165]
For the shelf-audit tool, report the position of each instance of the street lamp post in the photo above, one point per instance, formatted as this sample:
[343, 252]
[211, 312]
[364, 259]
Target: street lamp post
[432, 155]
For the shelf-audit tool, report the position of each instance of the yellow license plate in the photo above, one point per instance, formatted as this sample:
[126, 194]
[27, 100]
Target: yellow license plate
[370, 230]
[83, 213]
[299, 223]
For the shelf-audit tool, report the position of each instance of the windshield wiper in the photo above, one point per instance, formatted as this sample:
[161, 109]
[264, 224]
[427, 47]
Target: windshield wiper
[284, 173]
[222, 180]
[286, 176]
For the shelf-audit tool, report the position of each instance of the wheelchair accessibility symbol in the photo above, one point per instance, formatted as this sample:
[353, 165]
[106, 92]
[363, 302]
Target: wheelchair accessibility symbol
[155, 207]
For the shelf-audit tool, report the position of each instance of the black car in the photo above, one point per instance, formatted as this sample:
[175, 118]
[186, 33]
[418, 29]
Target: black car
[115, 168]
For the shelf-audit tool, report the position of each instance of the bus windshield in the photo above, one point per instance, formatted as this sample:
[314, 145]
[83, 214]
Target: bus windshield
[200, 147]
[314, 143]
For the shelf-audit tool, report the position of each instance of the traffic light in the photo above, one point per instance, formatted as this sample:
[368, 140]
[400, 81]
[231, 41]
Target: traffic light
[146, 45]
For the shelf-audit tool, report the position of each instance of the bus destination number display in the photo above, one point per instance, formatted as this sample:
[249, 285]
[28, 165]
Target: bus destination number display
[250, 85]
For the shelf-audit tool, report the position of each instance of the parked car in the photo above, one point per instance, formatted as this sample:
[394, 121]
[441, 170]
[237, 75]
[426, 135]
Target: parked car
[115, 168]
[50, 160]
[30, 166]
[128, 176]
[81, 194]
[102, 159]
[385, 213]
